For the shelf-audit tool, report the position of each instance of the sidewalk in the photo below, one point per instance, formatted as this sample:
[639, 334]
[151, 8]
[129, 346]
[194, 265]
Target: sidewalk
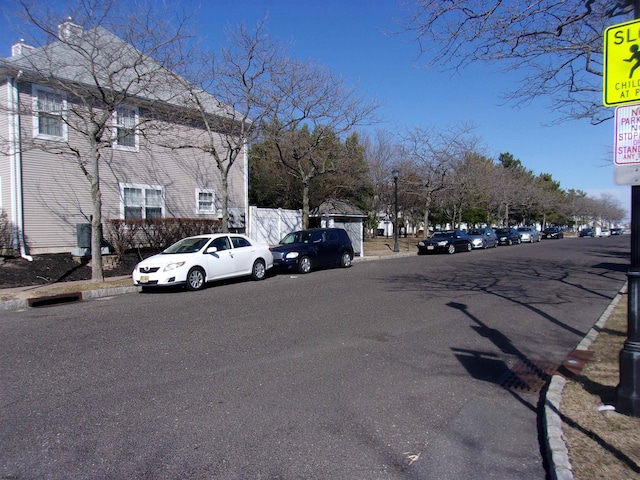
[19, 298]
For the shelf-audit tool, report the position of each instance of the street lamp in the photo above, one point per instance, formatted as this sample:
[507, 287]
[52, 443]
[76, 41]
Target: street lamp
[396, 248]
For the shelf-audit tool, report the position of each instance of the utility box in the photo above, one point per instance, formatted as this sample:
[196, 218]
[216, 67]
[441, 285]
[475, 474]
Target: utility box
[83, 235]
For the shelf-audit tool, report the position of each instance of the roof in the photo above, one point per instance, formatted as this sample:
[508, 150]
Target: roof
[337, 208]
[97, 57]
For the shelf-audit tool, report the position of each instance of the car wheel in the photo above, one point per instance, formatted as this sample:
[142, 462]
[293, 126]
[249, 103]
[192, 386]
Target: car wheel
[484, 245]
[304, 266]
[345, 260]
[509, 242]
[469, 247]
[452, 249]
[195, 279]
[259, 270]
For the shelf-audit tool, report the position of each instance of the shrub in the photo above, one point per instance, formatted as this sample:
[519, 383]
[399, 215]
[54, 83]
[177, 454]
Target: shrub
[157, 233]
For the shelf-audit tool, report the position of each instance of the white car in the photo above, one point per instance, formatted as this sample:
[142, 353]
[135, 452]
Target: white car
[193, 261]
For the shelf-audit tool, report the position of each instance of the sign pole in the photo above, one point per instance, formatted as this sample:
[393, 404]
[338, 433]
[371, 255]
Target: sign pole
[628, 391]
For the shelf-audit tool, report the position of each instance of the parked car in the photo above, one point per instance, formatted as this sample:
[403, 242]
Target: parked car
[449, 241]
[529, 234]
[587, 232]
[305, 250]
[552, 232]
[508, 236]
[482, 237]
[193, 261]
[617, 231]
[605, 232]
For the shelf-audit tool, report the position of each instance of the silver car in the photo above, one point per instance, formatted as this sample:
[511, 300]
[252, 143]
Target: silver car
[483, 237]
[529, 234]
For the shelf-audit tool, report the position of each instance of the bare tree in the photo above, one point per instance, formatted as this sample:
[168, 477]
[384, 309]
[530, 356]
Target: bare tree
[97, 81]
[435, 154]
[608, 210]
[382, 154]
[228, 97]
[313, 109]
[556, 45]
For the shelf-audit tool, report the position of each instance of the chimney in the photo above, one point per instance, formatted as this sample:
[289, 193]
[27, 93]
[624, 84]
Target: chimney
[21, 48]
[68, 29]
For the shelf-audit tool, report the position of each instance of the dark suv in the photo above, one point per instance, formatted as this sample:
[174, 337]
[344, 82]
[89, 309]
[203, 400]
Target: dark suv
[318, 247]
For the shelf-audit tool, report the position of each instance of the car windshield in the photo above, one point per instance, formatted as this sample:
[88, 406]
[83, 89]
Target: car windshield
[524, 229]
[438, 235]
[296, 237]
[475, 231]
[502, 230]
[187, 245]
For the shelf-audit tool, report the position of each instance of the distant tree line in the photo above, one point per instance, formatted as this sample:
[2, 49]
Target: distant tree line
[444, 178]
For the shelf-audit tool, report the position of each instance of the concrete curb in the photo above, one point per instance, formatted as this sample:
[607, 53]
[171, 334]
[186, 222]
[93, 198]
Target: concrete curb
[556, 449]
[368, 258]
[22, 304]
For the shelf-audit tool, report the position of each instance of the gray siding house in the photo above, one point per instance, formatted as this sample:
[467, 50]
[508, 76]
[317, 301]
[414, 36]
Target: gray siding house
[49, 97]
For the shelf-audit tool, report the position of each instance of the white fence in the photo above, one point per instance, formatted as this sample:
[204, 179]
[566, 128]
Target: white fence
[269, 225]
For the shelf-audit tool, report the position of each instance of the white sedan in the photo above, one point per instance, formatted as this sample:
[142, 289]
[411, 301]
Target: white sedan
[193, 261]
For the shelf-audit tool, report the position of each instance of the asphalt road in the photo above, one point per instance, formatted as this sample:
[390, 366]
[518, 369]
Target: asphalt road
[392, 369]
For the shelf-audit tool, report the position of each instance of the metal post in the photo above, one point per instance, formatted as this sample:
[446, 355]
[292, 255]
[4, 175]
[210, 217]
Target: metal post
[628, 391]
[396, 248]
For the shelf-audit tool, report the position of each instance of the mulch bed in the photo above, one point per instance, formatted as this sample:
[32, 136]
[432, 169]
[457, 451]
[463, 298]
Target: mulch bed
[60, 267]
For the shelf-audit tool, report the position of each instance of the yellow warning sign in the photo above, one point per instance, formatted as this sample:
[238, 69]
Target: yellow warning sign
[622, 64]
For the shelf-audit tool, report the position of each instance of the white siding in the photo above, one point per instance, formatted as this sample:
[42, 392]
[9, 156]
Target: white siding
[57, 194]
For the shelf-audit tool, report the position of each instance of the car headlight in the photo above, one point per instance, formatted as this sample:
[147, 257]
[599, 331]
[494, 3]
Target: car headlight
[421, 244]
[443, 243]
[291, 255]
[173, 266]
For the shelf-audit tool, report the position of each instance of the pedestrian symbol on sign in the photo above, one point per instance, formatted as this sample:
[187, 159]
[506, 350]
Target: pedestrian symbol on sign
[635, 57]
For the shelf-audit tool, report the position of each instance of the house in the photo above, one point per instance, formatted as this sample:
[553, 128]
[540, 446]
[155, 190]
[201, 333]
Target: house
[343, 214]
[90, 95]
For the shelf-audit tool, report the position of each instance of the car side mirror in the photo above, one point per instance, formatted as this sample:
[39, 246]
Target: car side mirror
[211, 250]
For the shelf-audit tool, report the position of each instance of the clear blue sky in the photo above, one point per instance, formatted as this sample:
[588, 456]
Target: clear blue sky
[351, 38]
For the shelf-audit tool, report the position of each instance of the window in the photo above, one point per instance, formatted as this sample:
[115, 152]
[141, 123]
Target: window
[205, 201]
[125, 120]
[141, 201]
[221, 244]
[49, 110]
[239, 242]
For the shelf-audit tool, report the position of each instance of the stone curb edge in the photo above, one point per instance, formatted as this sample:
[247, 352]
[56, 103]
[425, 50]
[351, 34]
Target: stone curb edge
[557, 453]
[86, 294]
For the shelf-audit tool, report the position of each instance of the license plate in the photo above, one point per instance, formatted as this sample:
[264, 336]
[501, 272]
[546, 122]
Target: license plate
[144, 278]
[430, 247]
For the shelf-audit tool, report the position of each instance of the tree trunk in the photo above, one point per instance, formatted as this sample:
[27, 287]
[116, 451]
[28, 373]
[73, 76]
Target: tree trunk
[224, 175]
[305, 203]
[427, 209]
[97, 274]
